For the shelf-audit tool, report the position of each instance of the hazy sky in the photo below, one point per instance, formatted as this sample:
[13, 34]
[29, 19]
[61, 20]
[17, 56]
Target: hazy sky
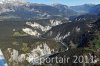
[67, 2]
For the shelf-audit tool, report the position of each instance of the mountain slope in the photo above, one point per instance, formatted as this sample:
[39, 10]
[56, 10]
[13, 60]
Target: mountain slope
[82, 9]
[95, 9]
[62, 33]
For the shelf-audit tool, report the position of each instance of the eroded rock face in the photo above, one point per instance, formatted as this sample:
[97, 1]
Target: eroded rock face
[16, 57]
[39, 29]
[36, 53]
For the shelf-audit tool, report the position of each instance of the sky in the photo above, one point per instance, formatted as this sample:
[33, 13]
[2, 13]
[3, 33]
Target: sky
[66, 2]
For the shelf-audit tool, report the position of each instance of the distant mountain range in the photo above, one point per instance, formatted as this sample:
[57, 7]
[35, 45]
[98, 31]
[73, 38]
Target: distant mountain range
[25, 10]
